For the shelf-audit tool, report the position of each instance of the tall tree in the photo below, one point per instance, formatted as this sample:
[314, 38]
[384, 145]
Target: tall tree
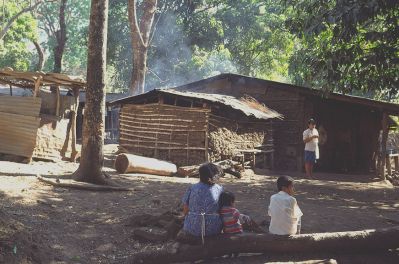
[92, 158]
[140, 38]
[61, 37]
[65, 23]
[53, 22]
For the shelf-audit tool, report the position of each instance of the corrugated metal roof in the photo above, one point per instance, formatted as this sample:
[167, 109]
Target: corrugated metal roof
[109, 97]
[261, 112]
[390, 107]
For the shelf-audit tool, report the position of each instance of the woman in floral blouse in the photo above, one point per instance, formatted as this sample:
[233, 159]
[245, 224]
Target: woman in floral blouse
[201, 204]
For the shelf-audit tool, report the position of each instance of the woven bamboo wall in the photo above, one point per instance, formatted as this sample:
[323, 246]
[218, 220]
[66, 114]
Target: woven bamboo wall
[18, 124]
[173, 133]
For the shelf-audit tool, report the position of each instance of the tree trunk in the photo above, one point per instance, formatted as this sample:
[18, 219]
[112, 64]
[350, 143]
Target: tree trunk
[61, 38]
[40, 53]
[91, 161]
[355, 241]
[140, 38]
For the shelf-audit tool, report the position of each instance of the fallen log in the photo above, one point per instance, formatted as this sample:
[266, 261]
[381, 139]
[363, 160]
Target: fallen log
[353, 241]
[228, 166]
[129, 163]
[81, 185]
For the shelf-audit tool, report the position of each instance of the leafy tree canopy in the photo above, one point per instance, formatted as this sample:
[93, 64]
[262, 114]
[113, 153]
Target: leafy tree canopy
[14, 47]
[346, 46]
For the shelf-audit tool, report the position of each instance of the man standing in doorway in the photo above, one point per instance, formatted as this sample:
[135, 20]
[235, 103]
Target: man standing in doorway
[311, 140]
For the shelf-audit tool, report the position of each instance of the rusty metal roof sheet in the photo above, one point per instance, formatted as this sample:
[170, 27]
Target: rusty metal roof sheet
[253, 109]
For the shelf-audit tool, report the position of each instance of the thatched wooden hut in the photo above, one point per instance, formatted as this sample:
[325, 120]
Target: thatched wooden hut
[40, 124]
[350, 125]
[190, 128]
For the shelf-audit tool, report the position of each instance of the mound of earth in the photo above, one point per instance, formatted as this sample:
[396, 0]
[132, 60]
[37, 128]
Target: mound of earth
[18, 245]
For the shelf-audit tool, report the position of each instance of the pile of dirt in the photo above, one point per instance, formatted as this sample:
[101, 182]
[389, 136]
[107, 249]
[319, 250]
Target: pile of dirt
[224, 142]
[17, 245]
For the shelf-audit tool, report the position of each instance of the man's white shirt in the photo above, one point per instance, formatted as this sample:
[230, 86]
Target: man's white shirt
[312, 144]
[285, 214]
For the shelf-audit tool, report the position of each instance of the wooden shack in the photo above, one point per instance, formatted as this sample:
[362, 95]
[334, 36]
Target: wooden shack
[350, 126]
[191, 128]
[40, 124]
[111, 116]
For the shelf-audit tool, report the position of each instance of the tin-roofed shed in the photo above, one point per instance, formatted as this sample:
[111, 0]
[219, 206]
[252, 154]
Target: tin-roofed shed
[37, 123]
[190, 128]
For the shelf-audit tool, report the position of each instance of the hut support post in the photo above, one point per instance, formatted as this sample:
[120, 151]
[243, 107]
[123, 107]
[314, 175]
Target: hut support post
[57, 109]
[205, 105]
[384, 144]
[37, 86]
[73, 125]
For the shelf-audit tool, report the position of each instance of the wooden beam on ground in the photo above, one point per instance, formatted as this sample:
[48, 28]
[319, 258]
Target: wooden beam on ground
[353, 241]
[81, 185]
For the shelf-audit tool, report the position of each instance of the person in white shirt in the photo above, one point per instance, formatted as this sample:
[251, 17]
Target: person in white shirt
[311, 140]
[283, 209]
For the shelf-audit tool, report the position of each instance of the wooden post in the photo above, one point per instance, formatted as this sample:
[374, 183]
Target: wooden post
[10, 89]
[388, 164]
[73, 125]
[384, 144]
[206, 137]
[396, 160]
[57, 107]
[37, 86]
[187, 146]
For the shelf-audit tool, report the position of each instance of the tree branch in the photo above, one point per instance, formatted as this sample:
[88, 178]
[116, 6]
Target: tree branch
[134, 26]
[16, 16]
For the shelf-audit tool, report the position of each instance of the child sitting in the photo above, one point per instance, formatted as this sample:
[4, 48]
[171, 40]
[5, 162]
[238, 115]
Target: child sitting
[283, 209]
[232, 219]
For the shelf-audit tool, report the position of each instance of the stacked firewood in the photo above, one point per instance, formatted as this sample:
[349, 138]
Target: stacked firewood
[394, 178]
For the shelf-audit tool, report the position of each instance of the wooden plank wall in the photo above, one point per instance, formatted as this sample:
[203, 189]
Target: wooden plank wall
[173, 133]
[49, 103]
[19, 121]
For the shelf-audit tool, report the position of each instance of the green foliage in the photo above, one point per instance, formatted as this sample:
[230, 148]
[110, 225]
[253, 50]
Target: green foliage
[347, 46]
[14, 47]
[77, 22]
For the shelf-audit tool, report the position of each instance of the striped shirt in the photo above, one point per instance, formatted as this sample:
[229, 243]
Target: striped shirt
[231, 220]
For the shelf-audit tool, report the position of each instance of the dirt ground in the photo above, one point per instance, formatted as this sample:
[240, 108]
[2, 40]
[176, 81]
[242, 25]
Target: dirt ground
[74, 226]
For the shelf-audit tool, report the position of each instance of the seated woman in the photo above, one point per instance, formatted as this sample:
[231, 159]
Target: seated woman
[201, 205]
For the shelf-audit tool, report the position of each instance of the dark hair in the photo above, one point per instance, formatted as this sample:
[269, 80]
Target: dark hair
[209, 173]
[284, 181]
[311, 121]
[226, 199]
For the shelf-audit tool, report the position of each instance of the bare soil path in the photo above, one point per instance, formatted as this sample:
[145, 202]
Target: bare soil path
[92, 227]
